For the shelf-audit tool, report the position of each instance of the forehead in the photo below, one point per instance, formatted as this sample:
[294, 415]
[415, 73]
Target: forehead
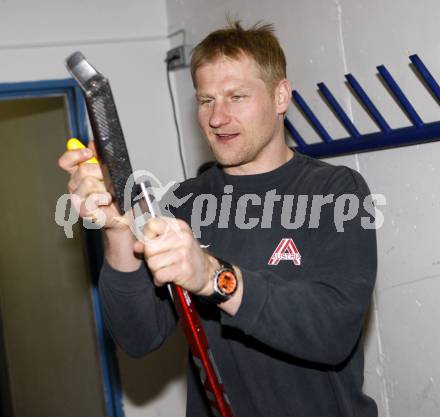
[227, 72]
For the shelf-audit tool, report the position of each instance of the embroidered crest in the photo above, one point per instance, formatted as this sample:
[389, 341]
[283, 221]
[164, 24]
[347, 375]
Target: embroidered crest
[285, 251]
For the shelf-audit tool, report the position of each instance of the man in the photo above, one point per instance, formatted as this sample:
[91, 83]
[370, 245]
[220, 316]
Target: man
[285, 323]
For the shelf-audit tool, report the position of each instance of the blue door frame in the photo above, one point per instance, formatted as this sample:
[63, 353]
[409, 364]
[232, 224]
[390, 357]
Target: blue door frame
[76, 110]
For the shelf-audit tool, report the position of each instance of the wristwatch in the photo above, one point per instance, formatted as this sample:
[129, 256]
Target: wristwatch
[224, 284]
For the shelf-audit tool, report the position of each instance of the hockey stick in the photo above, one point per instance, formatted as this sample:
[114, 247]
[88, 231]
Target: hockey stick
[117, 171]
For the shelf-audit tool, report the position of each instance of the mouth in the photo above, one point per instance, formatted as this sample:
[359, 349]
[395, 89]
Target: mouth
[226, 137]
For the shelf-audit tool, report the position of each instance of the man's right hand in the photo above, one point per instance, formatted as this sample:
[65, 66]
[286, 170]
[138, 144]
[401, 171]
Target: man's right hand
[89, 195]
[86, 186]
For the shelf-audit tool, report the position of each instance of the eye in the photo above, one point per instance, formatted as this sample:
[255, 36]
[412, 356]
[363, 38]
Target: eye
[205, 101]
[237, 97]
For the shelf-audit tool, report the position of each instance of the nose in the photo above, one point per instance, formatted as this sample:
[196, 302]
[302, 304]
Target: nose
[220, 115]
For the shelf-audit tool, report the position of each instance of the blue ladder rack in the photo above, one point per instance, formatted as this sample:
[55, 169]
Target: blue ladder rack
[386, 137]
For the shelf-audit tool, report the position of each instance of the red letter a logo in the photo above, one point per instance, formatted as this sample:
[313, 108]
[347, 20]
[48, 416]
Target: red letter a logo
[285, 251]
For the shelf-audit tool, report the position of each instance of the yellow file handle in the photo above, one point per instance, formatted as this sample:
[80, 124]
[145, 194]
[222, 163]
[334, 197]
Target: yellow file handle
[74, 143]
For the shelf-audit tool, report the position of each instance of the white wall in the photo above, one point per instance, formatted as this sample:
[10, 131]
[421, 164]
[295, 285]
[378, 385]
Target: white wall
[323, 40]
[24, 22]
[127, 41]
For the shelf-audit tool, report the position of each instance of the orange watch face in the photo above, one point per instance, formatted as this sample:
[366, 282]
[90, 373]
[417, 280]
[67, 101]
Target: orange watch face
[227, 282]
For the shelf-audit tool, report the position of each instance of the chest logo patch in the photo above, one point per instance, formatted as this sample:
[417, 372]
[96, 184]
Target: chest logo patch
[285, 251]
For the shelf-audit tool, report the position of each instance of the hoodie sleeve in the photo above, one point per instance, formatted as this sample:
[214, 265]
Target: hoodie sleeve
[138, 315]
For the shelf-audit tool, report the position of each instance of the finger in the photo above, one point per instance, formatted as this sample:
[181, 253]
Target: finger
[89, 185]
[162, 260]
[167, 275]
[97, 217]
[74, 143]
[160, 244]
[84, 170]
[92, 203]
[171, 238]
[160, 225]
[155, 227]
[95, 200]
[70, 160]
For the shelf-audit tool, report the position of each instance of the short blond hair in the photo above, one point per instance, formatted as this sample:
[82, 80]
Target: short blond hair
[258, 42]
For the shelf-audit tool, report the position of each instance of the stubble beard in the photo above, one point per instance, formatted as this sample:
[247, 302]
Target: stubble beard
[230, 158]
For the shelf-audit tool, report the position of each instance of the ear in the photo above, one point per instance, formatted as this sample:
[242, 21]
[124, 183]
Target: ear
[283, 96]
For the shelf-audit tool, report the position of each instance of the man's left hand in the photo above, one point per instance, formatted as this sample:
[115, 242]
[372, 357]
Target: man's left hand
[173, 254]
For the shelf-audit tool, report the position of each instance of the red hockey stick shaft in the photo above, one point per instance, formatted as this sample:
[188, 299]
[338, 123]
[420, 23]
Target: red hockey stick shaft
[195, 335]
[203, 358]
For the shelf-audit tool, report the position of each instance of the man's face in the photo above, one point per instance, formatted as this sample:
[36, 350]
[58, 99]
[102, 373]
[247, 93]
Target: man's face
[238, 114]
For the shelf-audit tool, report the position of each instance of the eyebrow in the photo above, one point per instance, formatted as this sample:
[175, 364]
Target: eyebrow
[228, 91]
[203, 95]
[237, 88]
